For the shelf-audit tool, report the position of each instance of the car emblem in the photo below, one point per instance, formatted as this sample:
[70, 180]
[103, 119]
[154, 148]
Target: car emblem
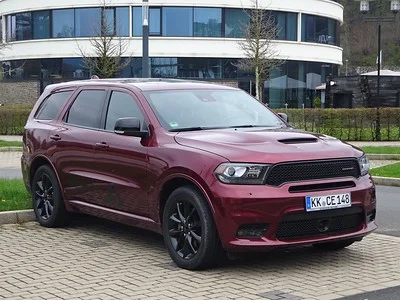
[348, 169]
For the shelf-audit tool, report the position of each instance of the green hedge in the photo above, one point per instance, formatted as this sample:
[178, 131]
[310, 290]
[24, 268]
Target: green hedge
[13, 119]
[355, 124]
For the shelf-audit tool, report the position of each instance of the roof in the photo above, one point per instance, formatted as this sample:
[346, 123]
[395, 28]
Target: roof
[146, 84]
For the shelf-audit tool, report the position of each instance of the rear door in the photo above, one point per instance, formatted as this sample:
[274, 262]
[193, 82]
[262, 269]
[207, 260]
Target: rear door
[73, 144]
[121, 161]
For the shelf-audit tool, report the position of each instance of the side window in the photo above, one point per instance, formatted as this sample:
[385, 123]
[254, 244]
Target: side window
[122, 105]
[87, 108]
[51, 106]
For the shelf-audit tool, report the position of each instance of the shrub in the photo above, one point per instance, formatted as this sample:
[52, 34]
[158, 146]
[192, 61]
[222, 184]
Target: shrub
[353, 124]
[13, 119]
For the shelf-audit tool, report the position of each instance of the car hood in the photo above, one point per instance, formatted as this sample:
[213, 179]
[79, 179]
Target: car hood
[267, 145]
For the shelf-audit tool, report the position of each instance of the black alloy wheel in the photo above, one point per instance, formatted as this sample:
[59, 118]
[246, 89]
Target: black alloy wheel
[185, 229]
[48, 204]
[189, 230]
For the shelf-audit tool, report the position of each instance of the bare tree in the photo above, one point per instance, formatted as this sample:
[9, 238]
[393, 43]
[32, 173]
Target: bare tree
[106, 58]
[258, 47]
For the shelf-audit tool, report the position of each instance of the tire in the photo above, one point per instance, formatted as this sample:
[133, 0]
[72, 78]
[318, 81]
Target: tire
[47, 200]
[333, 246]
[189, 230]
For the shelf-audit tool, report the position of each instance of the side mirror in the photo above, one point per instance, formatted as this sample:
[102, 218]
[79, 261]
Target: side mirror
[130, 127]
[284, 117]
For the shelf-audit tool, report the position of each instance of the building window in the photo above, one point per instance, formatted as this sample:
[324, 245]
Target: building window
[137, 21]
[23, 26]
[122, 21]
[155, 21]
[11, 28]
[63, 23]
[41, 24]
[177, 21]
[207, 22]
[287, 25]
[236, 20]
[87, 22]
[319, 30]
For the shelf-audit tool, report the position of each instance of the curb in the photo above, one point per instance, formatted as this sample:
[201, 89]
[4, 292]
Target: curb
[10, 149]
[17, 216]
[387, 181]
[383, 156]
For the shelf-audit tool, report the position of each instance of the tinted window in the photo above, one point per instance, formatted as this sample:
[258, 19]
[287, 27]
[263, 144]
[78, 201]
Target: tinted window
[63, 23]
[177, 21]
[41, 24]
[155, 21]
[137, 21]
[52, 105]
[207, 21]
[122, 22]
[86, 109]
[121, 105]
[23, 26]
[319, 30]
[87, 22]
[236, 21]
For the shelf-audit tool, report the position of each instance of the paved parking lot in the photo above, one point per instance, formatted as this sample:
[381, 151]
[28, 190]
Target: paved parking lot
[95, 259]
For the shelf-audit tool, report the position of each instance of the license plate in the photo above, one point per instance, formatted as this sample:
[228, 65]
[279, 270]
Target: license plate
[333, 201]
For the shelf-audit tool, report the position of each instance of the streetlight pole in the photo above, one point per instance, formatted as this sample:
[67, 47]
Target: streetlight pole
[145, 39]
[364, 8]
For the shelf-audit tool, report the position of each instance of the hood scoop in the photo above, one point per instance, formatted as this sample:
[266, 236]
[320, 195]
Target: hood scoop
[298, 141]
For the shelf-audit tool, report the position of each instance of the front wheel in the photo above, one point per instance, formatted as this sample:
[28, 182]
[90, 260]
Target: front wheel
[48, 203]
[333, 246]
[189, 230]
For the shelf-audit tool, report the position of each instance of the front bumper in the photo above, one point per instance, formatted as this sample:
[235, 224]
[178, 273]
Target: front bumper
[284, 215]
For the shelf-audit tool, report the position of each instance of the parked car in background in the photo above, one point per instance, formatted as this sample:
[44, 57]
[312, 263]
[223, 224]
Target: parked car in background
[207, 166]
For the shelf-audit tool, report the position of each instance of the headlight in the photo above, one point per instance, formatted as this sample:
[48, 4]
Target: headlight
[364, 165]
[232, 173]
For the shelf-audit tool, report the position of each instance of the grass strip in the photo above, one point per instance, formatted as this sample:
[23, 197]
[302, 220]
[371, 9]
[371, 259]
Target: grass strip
[13, 195]
[10, 143]
[392, 170]
[381, 149]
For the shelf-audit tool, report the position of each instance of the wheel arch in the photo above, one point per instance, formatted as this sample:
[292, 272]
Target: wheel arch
[174, 182]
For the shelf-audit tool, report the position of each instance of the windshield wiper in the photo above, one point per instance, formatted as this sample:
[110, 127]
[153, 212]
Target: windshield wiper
[196, 128]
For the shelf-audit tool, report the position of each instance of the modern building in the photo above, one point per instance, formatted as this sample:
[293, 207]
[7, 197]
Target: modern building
[188, 39]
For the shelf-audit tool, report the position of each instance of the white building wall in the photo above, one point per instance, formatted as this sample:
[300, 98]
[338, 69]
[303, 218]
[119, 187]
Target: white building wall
[179, 47]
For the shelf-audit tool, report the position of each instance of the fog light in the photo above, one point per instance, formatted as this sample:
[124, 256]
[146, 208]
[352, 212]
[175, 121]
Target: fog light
[252, 230]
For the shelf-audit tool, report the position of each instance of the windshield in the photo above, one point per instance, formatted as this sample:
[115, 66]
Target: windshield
[206, 109]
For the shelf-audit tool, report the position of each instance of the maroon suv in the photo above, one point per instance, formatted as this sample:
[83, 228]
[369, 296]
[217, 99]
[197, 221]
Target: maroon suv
[207, 166]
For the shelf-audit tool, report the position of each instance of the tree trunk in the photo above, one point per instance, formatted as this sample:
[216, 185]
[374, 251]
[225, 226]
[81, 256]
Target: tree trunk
[257, 83]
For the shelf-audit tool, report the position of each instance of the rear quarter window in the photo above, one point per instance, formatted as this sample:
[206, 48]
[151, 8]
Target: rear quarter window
[51, 106]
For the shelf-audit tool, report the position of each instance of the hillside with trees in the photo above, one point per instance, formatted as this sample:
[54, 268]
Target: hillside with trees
[359, 38]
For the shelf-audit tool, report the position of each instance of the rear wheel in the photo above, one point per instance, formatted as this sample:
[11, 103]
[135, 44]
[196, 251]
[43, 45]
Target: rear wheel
[189, 230]
[48, 204]
[333, 246]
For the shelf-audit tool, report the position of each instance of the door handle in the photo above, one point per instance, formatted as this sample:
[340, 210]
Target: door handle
[55, 137]
[102, 145]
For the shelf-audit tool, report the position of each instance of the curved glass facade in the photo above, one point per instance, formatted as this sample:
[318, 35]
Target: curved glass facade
[293, 83]
[163, 21]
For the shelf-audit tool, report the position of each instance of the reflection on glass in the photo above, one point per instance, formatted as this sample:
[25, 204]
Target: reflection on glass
[319, 30]
[207, 21]
[137, 21]
[87, 22]
[155, 21]
[41, 24]
[122, 21]
[164, 67]
[236, 21]
[63, 23]
[23, 26]
[177, 21]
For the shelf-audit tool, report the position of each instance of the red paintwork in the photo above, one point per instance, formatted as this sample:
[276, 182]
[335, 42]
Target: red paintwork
[124, 181]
